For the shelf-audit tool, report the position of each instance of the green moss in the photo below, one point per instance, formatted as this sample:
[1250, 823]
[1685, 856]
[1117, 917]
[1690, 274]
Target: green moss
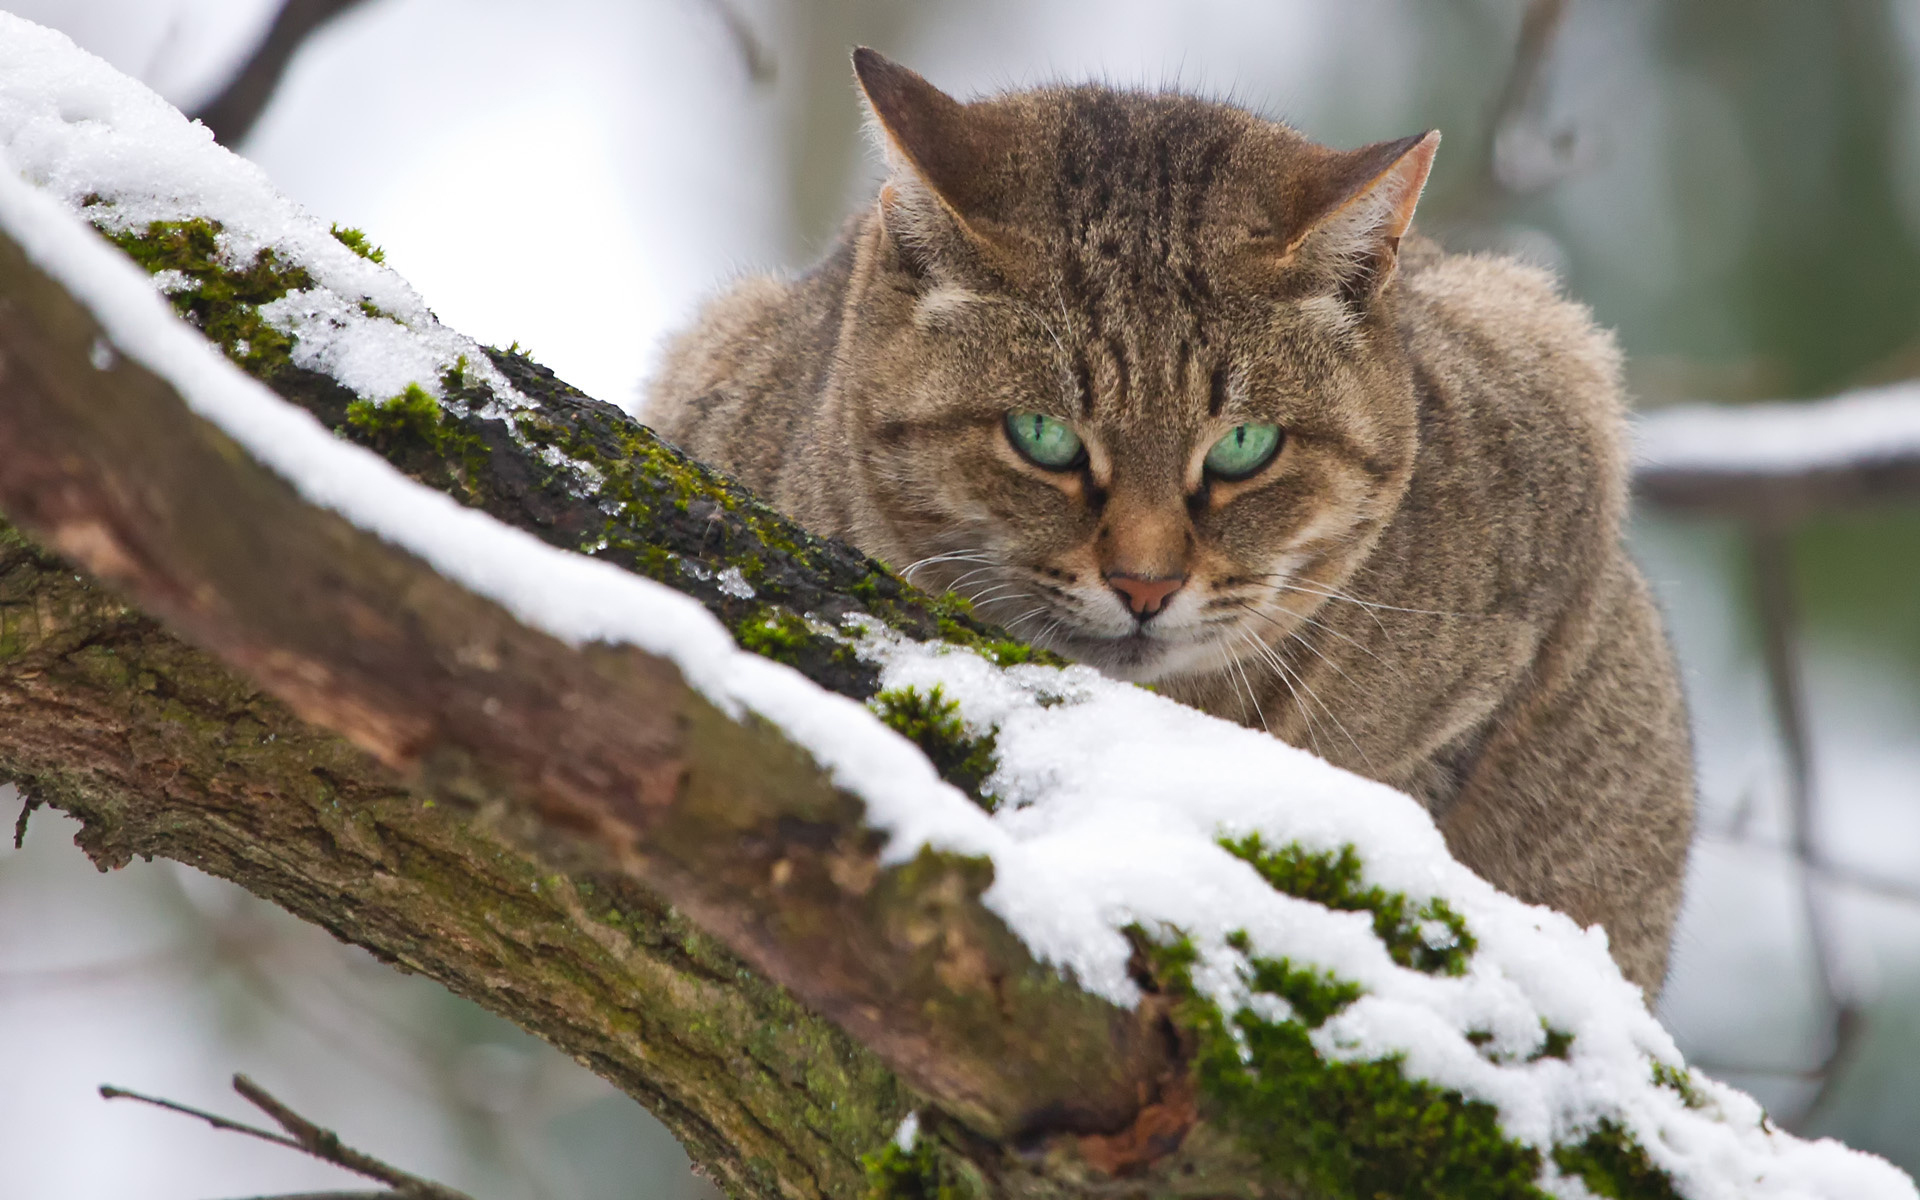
[1341, 1130]
[917, 1174]
[647, 485]
[774, 633]
[1678, 1079]
[1554, 1043]
[955, 621]
[1558, 1043]
[1347, 1130]
[1613, 1165]
[223, 300]
[1432, 938]
[357, 242]
[932, 722]
[414, 419]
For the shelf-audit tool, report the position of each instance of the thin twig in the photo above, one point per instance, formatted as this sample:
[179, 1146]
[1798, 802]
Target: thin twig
[232, 113]
[1496, 183]
[1835, 874]
[27, 805]
[1773, 586]
[110, 1092]
[754, 53]
[304, 1136]
[381, 1194]
[1539, 26]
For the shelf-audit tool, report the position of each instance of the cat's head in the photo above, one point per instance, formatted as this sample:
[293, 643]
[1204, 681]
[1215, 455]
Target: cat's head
[1123, 368]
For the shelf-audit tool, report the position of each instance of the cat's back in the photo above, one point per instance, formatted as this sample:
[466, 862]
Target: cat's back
[738, 387]
[1522, 416]
[1503, 331]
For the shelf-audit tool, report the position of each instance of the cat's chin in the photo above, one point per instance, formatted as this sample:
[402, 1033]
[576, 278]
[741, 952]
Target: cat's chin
[1134, 658]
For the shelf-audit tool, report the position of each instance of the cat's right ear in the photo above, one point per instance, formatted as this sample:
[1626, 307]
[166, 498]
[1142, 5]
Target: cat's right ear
[943, 158]
[1346, 214]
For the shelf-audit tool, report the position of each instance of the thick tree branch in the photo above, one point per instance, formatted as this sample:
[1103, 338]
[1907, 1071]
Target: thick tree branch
[601, 757]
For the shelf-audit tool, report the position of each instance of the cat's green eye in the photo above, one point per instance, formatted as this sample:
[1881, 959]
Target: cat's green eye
[1046, 442]
[1244, 450]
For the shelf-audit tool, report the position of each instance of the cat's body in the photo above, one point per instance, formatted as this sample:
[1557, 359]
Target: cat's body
[1423, 579]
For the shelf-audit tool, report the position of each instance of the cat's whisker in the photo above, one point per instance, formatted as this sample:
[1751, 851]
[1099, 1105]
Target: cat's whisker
[976, 554]
[1013, 625]
[1294, 585]
[1334, 717]
[1234, 661]
[1282, 587]
[1324, 628]
[988, 567]
[1300, 682]
[1296, 685]
[998, 591]
[1294, 635]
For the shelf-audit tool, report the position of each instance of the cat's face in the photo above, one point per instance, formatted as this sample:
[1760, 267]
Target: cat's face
[1106, 391]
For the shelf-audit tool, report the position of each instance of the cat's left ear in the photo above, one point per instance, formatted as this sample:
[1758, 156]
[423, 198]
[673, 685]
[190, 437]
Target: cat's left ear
[1348, 215]
[946, 159]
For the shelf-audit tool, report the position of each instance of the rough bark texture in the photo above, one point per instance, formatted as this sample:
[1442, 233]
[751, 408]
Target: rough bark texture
[511, 811]
[160, 750]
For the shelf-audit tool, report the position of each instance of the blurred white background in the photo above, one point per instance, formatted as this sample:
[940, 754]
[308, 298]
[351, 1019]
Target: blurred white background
[1733, 184]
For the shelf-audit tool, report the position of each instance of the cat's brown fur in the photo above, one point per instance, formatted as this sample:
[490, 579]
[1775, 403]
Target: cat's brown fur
[1427, 585]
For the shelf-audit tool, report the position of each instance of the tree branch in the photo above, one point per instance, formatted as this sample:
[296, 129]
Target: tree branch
[1785, 460]
[599, 761]
[232, 114]
[302, 1135]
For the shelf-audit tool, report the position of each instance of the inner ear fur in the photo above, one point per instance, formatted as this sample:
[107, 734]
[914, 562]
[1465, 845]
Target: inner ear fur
[947, 162]
[1347, 212]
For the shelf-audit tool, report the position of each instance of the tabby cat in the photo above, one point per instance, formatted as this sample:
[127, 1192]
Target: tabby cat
[1170, 389]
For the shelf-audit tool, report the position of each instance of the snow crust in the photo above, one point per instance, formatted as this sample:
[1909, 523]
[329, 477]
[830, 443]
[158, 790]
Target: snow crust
[1864, 426]
[1112, 799]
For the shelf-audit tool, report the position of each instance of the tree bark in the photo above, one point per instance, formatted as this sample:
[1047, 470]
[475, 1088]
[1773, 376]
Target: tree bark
[572, 837]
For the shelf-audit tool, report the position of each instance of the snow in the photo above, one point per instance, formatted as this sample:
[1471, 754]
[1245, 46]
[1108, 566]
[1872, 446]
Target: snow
[908, 1132]
[1864, 426]
[1112, 799]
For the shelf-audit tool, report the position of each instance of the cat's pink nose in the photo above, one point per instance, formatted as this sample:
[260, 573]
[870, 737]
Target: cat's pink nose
[1145, 596]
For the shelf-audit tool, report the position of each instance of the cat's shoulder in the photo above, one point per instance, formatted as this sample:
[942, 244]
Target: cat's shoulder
[1496, 317]
[762, 336]
[1492, 304]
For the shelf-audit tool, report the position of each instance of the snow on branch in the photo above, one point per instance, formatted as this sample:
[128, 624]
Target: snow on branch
[1783, 459]
[1132, 936]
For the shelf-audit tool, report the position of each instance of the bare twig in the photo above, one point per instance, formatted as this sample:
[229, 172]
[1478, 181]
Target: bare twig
[381, 1194]
[304, 1136]
[27, 805]
[1519, 156]
[232, 113]
[1516, 117]
[1833, 873]
[755, 54]
[1773, 582]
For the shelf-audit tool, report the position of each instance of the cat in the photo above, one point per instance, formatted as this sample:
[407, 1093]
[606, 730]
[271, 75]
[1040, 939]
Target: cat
[1174, 391]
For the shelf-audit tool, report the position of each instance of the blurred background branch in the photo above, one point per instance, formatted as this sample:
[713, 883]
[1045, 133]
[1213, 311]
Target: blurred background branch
[232, 113]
